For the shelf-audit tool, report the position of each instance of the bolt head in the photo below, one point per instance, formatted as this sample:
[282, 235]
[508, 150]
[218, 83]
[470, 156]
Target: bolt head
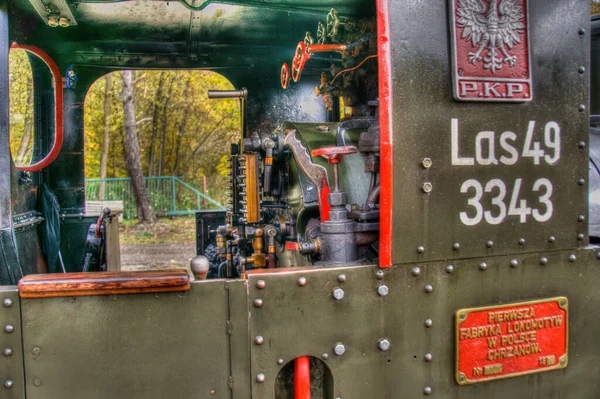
[8, 384]
[37, 382]
[581, 237]
[261, 284]
[427, 187]
[259, 340]
[342, 278]
[581, 69]
[543, 260]
[429, 288]
[514, 262]
[581, 218]
[280, 361]
[338, 294]
[551, 239]
[428, 323]
[582, 145]
[581, 181]
[521, 241]
[302, 281]
[581, 31]
[450, 269]
[489, 244]
[383, 290]
[260, 377]
[384, 344]
[9, 328]
[483, 266]
[339, 349]
[7, 302]
[36, 351]
[416, 271]
[428, 357]
[8, 352]
[427, 390]
[456, 246]
[426, 162]
[420, 249]
[581, 107]
[572, 258]
[325, 356]
[379, 274]
[258, 303]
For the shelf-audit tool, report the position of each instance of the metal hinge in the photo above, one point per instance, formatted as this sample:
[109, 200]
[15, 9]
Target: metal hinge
[228, 327]
[231, 383]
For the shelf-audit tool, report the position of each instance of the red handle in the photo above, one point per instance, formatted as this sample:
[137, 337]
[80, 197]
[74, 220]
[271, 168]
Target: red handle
[299, 61]
[58, 105]
[285, 75]
[333, 155]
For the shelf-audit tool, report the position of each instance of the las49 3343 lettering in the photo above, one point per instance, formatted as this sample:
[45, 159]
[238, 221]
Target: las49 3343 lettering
[505, 204]
[503, 149]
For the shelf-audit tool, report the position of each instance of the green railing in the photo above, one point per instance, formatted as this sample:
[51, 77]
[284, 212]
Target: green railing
[168, 195]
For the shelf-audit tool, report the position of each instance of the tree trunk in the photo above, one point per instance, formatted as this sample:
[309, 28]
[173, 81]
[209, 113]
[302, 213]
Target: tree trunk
[134, 166]
[106, 138]
[26, 139]
[182, 128]
[155, 114]
[163, 132]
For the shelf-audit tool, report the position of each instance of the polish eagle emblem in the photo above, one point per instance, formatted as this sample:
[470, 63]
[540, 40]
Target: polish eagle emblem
[492, 25]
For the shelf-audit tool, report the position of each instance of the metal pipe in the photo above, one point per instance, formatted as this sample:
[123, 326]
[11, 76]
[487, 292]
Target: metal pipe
[302, 378]
[373, 197]
[219, 94]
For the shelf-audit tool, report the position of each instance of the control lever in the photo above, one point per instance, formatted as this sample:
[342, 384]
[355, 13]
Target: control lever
[334, 156]
[243, 96]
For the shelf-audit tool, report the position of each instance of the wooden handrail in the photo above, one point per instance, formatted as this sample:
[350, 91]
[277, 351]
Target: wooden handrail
[103, 283]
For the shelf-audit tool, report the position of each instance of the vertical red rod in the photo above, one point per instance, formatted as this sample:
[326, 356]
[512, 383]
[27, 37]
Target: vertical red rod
[302, 378]
[386, 139]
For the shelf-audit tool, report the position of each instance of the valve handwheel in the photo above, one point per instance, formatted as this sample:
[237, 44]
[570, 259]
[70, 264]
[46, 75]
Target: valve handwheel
[299, 61]
[334, 155]
[285, 75]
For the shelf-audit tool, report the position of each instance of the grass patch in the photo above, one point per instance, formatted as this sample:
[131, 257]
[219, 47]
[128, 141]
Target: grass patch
[164, 230]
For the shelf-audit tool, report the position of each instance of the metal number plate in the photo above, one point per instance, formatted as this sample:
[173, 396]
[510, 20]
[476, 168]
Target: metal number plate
[512, 340]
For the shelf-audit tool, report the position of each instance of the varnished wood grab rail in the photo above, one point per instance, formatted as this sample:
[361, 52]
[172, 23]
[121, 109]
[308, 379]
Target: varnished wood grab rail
[103, 283]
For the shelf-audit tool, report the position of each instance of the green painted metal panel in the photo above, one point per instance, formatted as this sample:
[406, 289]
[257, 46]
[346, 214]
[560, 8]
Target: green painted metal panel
[12, 377]
[168, 345]
[297, 320]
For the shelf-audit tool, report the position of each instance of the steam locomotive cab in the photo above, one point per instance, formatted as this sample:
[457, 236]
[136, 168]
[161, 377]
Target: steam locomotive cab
[408, 204]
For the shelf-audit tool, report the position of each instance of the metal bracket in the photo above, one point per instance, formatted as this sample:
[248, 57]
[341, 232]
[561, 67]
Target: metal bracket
[55, 12]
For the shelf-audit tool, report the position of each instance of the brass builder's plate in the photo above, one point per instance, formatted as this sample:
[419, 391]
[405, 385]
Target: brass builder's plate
[511, 340]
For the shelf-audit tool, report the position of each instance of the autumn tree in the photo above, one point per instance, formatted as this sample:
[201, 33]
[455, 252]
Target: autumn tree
[172, 108]
[144, 210]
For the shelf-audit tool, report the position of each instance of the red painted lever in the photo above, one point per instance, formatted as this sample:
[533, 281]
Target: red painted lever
[333, 155]
[302, 378]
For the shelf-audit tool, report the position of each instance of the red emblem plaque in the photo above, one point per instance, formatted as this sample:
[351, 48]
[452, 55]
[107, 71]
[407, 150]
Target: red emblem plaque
[511, 340]
[490, 50]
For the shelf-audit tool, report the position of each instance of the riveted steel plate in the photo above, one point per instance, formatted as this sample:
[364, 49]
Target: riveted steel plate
[494, 342]
[500, 172]
[12, 377]
[168, 345]
[417, 317]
